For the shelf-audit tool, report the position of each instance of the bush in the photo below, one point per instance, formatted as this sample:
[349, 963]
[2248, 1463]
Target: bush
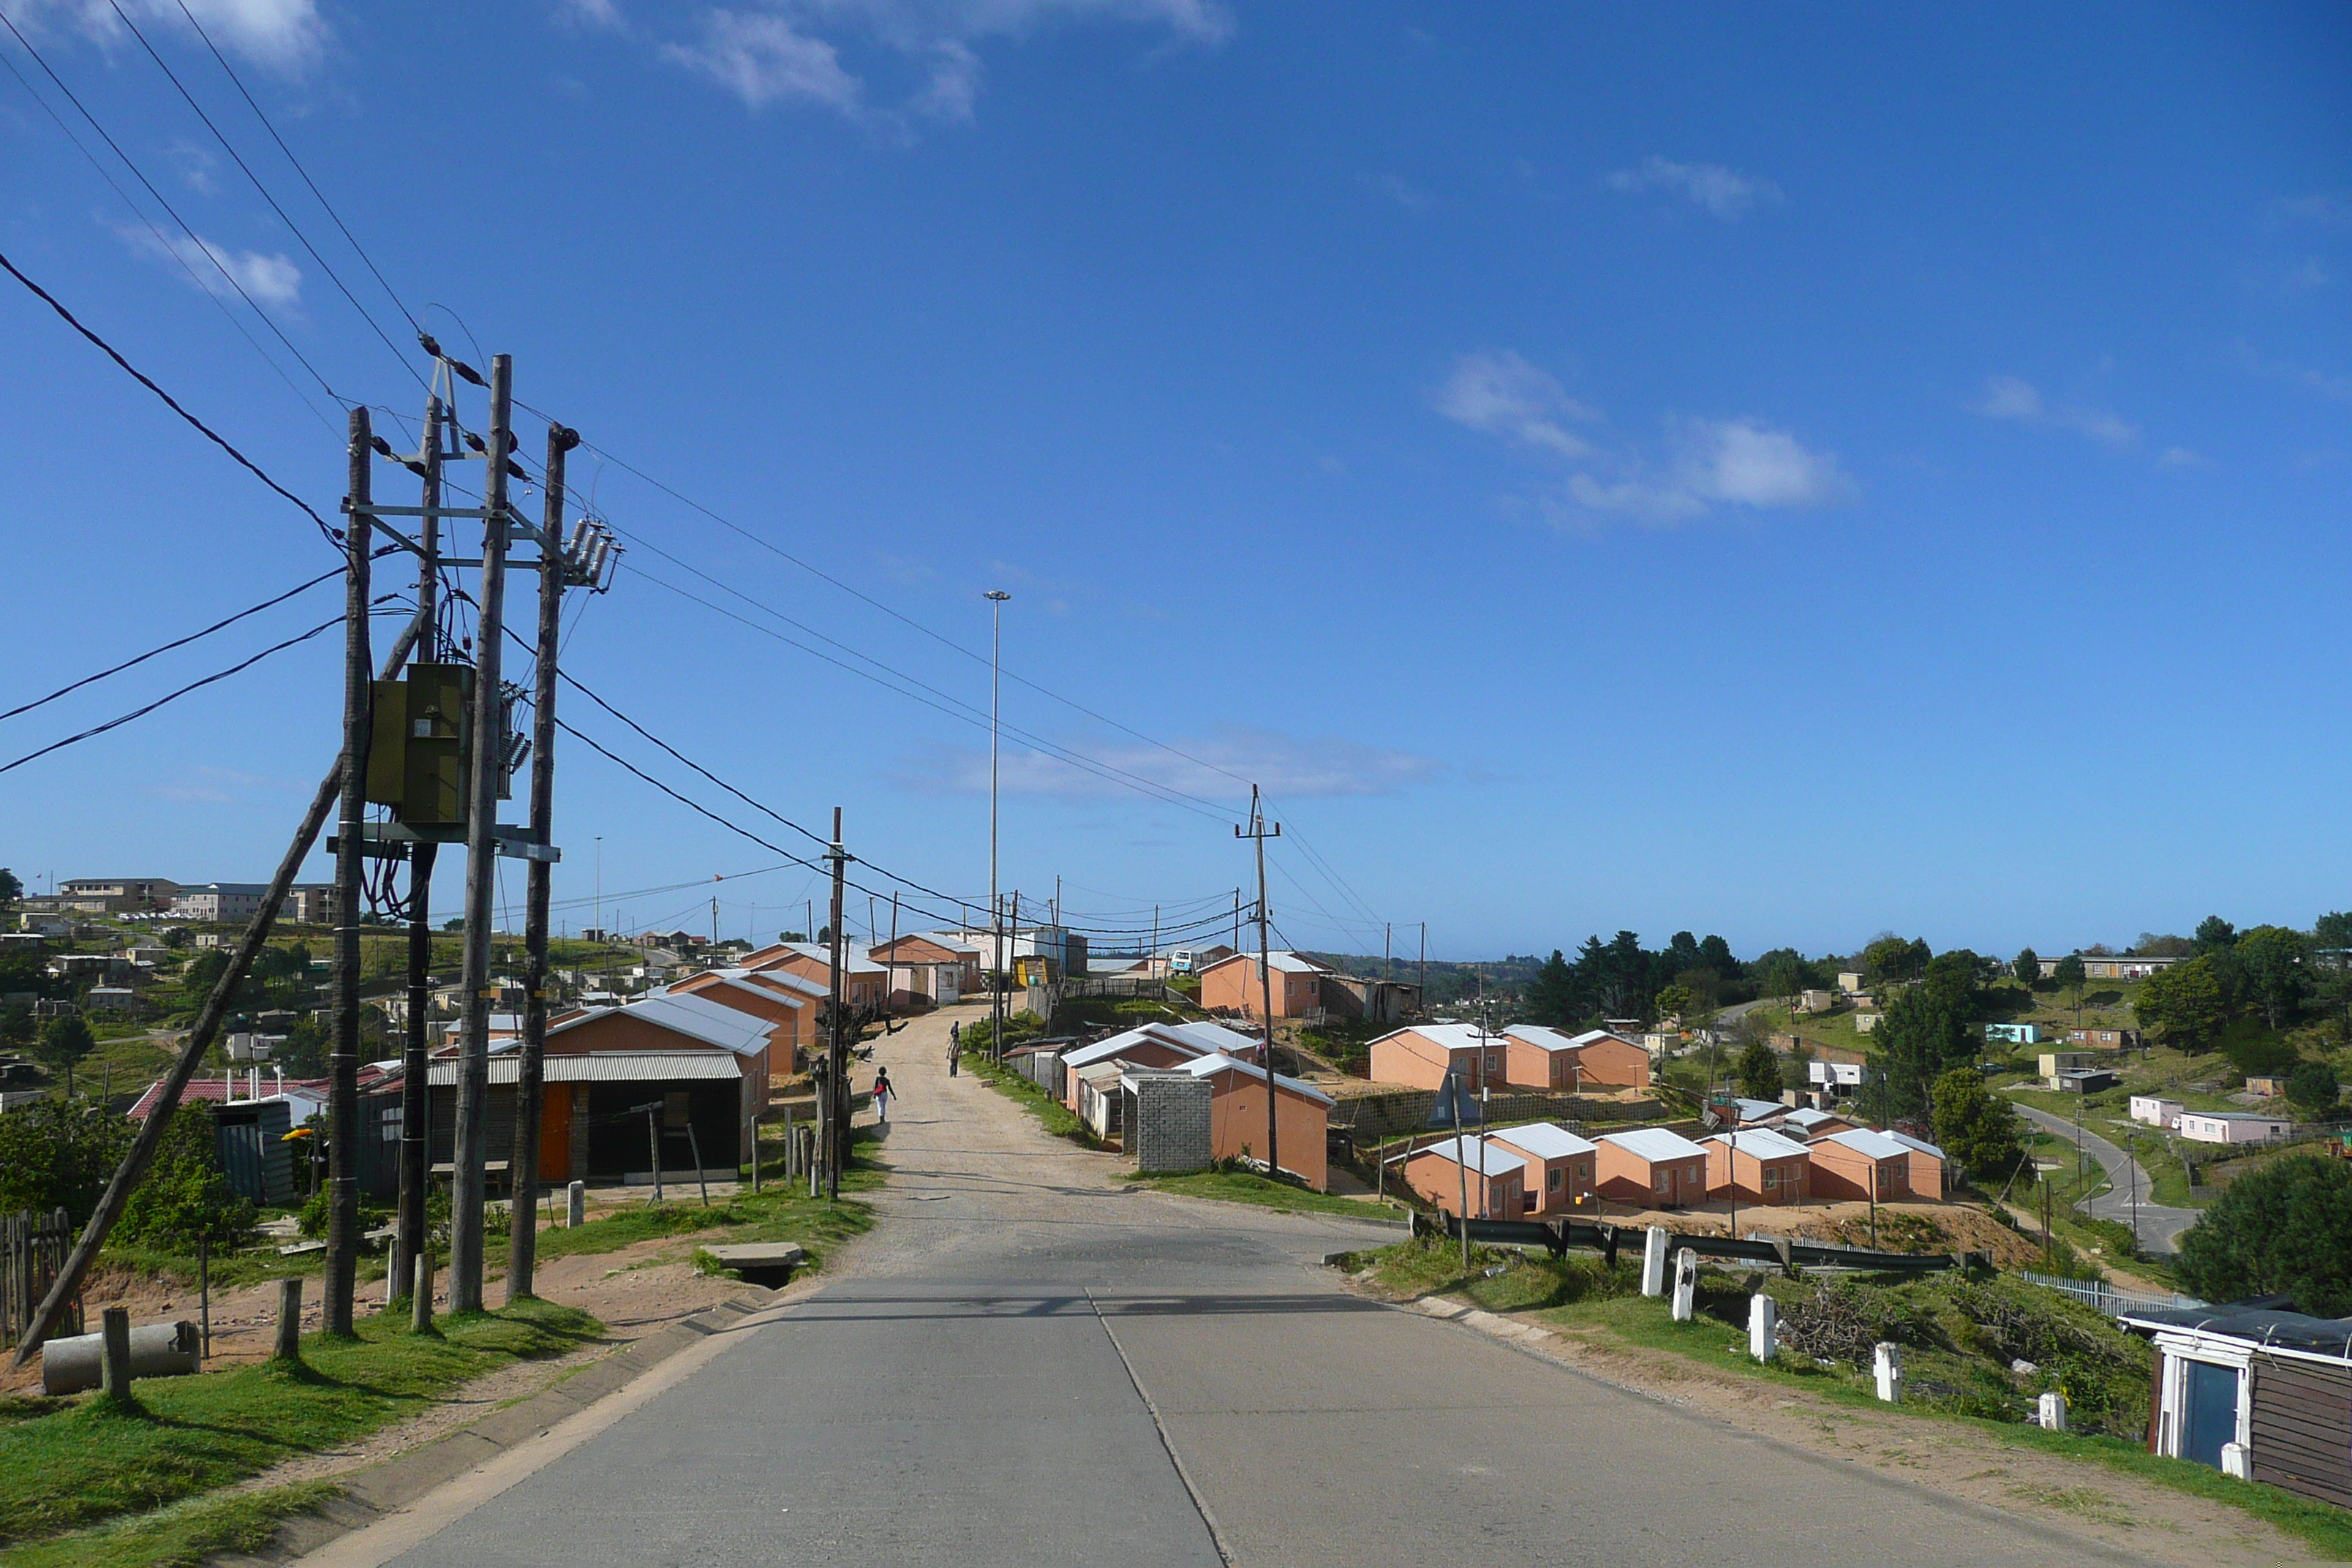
[2314, 1087]
[185, 1198]
[59, 1153]
[2282, 1229]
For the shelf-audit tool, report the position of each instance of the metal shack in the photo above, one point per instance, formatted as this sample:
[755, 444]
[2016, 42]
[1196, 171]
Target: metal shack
[2256, 1392]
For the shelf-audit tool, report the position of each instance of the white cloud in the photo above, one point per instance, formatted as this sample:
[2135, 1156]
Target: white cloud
[2325, 382]
[1281, 763]
[596, 15]
[1398, 189]
[762, 59]
[2016, 399]
[1723, 193]
[1707, 463]
[1502, 395]
[794, 49]
[285, 36]
[2182, 458]
[272, 281]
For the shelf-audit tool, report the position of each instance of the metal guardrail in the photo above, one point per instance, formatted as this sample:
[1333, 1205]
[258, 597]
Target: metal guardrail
[2105, 1298]
[1558, 1235]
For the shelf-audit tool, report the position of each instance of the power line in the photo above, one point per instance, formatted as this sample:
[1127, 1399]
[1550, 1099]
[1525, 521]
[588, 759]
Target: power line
[334, 535]
[162, 201]
[177, 642]
[174, 696]
[238, 159]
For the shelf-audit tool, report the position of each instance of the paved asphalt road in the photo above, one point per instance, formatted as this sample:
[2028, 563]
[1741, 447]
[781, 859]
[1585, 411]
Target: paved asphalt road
[2160, 1226]
[1030, 1364]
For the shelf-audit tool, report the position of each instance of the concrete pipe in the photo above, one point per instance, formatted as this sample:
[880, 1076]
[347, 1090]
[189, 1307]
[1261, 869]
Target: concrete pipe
[157, 1350]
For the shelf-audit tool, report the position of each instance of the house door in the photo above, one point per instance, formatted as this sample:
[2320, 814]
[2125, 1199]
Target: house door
[2208, 1411]
[555, 1133]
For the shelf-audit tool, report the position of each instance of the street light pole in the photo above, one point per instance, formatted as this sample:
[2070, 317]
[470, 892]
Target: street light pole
[996, 597]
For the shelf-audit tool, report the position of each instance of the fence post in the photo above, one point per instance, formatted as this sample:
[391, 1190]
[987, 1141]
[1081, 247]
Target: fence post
[1686, 1285]
[2052, 1414]
[1763, 1326]
[1886, 1366]
[288, 1346]
[114, 1354]
[1653, 1261]
[420, 1300]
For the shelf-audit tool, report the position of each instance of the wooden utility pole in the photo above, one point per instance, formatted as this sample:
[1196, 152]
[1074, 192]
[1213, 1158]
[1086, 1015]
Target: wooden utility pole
[415, 1085]
[343, 1056]
[522, 1235]
[836, 1086]
[1258, 833]
[471, 1153]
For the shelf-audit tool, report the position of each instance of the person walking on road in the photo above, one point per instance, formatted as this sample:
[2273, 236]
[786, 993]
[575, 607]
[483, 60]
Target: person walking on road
[882, 1094]
[955, 1046]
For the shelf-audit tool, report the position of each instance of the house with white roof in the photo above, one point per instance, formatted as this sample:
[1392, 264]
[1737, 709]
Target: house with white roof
[1302, 1117]
[1233, 985]
[1561, 1173]
[1153, 1045]
[1757, 1165]
[1491, 1175]
[1539, 1057]
[1930, 1172]
[1860, 1163]
[1420, 1055]
[1650, 1167]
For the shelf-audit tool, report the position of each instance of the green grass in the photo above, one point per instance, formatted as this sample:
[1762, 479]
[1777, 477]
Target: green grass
[71, 1465]
[183, 1535]
[783, 1212]
[1249, 1187]
[1579, 1292]
[1057, 1119]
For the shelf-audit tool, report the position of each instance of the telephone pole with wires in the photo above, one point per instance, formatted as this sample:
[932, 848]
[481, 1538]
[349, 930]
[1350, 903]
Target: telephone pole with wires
[836, 1086]
[1259, 833]
[415, 1087]
[343, 1060]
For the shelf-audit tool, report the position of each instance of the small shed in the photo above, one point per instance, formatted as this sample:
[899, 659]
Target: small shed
[2256, 1393]
[2156, 1111]
[2234, 1126]
[1165, 1119]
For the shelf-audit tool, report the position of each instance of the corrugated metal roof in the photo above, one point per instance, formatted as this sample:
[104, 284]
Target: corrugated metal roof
[1540, 1036]
[1654, 1144]
[1545, 1141]
[1449, 1037]
[712, 1023]
[614, 1067]
[1761, 1142]
[1920, 1144]
[1863, 1141]
[1217, 1062]
[1493, 1159]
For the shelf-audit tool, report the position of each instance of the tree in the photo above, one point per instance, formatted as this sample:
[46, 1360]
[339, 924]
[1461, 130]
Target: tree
[2284, 1228]
[1673, 1001]
[59, 1153]
[185, 1198]
[2027, 967]
[2152, 945]
[1714, 953]
[63, 1042]
[1976, 1127]
[2213, 934]
[2276, 972]
[1919, 1038]
[1952, 977]
[2071, 974]
[1757, 1072]
[15, 1026]
[2331, 929]
[2181, 1005]
[2313, 1086]
[1551, 996]
[1888, 957]
[203, 972]
[1787, 977]
[12, 887]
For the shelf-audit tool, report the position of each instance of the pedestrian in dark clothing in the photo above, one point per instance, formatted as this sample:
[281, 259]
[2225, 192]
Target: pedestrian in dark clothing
[882, 1095]
[955, 1046]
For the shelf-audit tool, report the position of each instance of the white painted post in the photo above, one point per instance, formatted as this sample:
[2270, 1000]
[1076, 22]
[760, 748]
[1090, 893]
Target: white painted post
[1763, 1326]
[1653, 1262]
[575, 1206]
[1887, 1363]
[2052, 1416]
[1685, 1284]
[2234, 1462]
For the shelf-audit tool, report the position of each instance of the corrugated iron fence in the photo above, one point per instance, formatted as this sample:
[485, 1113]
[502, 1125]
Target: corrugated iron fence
[33, 1248]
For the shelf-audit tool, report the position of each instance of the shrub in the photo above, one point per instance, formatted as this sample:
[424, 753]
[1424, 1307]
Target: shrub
[2284, 1228]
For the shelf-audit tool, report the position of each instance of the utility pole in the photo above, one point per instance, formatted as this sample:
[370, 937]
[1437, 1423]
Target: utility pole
[1258, 833]
[471, 1153]
[415, 1085]
[996, 597]
[1424, 966]
[1237, 919]
[836, 1086]
[522, 1171]
[343, 1063]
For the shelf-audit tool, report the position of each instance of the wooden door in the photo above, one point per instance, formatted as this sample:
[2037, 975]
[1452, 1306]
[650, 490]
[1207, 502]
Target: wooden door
[555, 1133]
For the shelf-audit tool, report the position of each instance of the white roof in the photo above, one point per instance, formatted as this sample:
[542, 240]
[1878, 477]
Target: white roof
[853, 957]
[1757, 1109]
[712, 1023]
[1591, 1036]
[1918, 1144]
[1545, 1141]
[1287, 963]
[604, 1067]
[1448, 1037]
[1490, 1160]
[1654, 1144]
[1761, 1142]
[1540, 1036]
[1147, 1033]
[2237, 1116]
[784, 978]
[1805, 1119]
[728, 977]
[1863, 1141]
[1217, 1062]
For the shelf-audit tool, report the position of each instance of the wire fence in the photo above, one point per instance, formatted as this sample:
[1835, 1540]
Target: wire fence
[2105, 1298]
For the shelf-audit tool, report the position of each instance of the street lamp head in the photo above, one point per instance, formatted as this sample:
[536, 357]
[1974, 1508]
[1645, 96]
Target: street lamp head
[999, 594]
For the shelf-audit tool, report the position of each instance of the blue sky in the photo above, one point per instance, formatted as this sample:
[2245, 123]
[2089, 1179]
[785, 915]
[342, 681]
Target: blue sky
[1787, 472]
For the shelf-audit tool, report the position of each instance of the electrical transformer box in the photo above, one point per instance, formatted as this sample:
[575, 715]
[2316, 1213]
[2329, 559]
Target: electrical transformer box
[420, 749]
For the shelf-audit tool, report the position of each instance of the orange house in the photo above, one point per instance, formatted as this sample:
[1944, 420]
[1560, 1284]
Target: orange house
[1233, 985]
[1927, 1169]
[1151, 1046]
[1606, 1060]
[784, 1012]
[1758, 1166]
[861, 979]
[1860, 1163]
[1302, 1117]
[1496, 1177]
[1420, 1055]
[1653, 1168]
[1560, 1175]
[921, 971]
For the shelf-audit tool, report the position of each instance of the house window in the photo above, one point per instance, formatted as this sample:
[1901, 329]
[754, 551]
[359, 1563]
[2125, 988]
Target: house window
[1663, 1181]
[1556, 1180]
[1771, 1178]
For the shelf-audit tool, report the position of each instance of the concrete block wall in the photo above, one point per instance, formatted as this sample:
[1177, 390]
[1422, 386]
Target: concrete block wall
[1170, 1125]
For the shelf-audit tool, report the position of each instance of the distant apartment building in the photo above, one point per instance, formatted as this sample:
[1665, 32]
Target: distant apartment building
[116, 895]
[2111, 968]
[224, 903]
